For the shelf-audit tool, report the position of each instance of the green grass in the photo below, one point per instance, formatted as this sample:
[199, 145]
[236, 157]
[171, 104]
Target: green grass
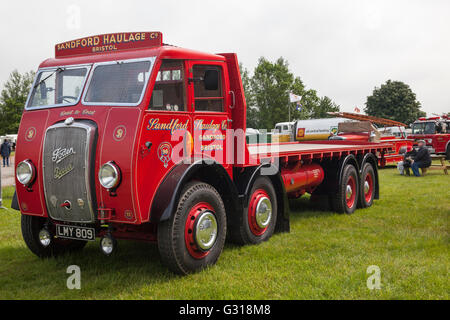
[325, 256]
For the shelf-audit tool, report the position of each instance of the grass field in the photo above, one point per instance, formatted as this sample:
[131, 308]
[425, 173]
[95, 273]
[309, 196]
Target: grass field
[325, 256]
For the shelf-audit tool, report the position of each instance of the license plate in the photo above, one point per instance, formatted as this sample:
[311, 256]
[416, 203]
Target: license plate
[74, 232]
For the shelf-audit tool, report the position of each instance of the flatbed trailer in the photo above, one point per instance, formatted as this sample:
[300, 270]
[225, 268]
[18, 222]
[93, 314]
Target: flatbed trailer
[125, 137]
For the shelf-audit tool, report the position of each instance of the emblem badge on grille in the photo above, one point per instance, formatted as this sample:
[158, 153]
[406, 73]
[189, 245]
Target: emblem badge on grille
[59, 173]
[69, 121]
[60, 154]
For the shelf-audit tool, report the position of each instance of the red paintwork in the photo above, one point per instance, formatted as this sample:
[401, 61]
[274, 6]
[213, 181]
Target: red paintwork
[142, 170]
[299, 179]
[254, 227]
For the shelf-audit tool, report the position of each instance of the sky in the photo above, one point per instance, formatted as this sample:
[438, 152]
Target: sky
[341, 48]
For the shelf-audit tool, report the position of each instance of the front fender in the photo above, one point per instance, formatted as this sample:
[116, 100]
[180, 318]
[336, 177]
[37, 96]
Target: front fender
[169, 192]
[349, 159]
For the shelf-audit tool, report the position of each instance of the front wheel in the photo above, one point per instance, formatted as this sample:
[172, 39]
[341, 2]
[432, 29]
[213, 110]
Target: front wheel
[447, 154]
[40, 241]
[193, 238]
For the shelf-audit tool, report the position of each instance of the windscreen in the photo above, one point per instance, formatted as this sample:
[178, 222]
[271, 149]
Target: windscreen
[57, 87]
[424, 128]
[118, 83]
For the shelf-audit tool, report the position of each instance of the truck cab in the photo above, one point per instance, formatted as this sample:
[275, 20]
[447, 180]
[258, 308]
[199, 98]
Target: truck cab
[436, 133]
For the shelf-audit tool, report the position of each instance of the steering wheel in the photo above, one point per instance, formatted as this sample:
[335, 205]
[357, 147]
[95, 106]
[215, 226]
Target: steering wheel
[66, 98]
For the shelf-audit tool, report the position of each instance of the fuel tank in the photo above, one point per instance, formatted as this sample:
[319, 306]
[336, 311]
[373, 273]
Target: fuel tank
[302, 178]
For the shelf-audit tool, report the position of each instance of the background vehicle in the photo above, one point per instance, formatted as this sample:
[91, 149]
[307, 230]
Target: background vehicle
[283, 132]
[123, 137]
[365, 130]
[435, 131]
[317, 129]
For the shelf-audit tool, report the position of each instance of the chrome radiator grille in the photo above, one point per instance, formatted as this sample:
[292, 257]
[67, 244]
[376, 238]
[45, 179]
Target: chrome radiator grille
[67, 169]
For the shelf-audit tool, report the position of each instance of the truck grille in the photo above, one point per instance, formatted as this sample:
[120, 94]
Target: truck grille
[68, 171]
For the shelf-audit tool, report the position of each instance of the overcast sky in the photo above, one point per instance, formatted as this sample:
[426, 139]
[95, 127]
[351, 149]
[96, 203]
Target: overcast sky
[341, 48]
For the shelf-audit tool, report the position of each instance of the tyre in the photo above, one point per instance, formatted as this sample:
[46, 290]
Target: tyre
[345, 200]
[259, 218]
[193, 238]
[447, 154]
[367, 186]
[31, 228]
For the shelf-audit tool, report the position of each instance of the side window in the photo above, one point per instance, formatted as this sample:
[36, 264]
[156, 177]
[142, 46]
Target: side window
[169, 90]
[207, 100]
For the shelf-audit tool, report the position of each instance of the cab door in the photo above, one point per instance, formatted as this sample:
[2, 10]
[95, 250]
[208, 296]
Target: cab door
[167, 121]
[209, 99]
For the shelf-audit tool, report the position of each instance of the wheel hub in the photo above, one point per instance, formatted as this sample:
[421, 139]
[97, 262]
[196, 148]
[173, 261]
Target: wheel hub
[366, 187]
[201, 230]
[263, 212]
[206, 230]
[349, 192]
[259, 212]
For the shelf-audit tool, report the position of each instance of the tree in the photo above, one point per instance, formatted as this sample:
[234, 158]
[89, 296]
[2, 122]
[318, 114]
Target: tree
[396, 101]
[252, 112]
[325, 105]
[12, 100]
[267, 95]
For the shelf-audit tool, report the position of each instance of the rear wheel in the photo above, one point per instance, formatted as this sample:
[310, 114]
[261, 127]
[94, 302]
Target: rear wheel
[367, 190]
[448, 152]
[193, 238]
[260, 216]
[345, 200]
[41, 242]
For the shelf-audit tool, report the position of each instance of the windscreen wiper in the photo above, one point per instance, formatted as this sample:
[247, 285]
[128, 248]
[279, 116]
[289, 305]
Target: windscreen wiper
[60, 69]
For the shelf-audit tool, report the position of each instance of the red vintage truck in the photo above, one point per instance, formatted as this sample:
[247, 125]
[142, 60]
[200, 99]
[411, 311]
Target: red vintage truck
[436, 133]
[125, 137]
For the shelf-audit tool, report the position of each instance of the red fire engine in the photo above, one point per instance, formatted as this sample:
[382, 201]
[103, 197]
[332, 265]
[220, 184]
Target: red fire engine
[124, 137]
[393, 132]
[436, 133]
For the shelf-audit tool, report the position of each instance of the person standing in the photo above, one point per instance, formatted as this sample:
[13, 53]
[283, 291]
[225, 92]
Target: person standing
[422, 158]
[5, 151]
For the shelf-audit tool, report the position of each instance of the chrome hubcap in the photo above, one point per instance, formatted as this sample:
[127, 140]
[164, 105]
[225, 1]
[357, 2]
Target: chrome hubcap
[263, 212]
[206, 230]
[45, 237]
[366, 187]
[349, 192]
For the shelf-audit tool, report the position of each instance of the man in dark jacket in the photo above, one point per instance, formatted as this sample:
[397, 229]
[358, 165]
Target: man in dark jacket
[422, 158]
[5, 151]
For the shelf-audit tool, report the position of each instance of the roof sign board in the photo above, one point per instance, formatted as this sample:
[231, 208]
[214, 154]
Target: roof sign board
[108, 43]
